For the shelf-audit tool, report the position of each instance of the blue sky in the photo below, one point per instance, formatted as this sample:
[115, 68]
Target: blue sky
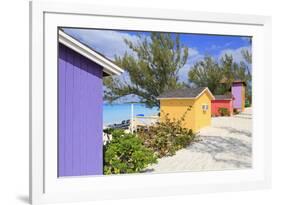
[111, 42]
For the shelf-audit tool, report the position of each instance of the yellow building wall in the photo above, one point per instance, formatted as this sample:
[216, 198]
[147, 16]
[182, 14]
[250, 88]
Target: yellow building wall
[176, 109]
[202, 118]
[195, 118]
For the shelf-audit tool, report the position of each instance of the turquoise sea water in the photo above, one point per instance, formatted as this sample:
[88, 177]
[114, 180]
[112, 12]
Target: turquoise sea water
[115, 113]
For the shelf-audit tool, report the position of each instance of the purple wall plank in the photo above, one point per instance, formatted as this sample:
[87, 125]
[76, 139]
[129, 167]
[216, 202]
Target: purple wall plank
[80, 115]
[237, 94]
[62, 122]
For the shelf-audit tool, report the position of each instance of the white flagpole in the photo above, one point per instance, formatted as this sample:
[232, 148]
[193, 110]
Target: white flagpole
[132, 118]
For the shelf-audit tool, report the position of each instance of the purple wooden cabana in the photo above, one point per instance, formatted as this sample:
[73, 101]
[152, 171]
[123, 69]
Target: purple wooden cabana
[238, 90]
[80, 100]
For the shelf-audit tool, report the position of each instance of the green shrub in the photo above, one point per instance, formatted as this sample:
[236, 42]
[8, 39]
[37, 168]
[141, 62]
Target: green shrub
[236, 111]
[166, 136]
[125, 153]
[224, 111]
[247, 103]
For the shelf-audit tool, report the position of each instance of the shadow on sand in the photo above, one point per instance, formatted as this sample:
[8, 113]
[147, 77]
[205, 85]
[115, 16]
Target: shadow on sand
[216, 145]
[236, 131]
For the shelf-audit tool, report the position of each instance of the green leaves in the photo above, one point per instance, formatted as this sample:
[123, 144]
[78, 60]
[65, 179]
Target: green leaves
[224, 111]
[132, 153]
[206, 73]
[125, 153]
[167, 136]
[218, 76]
[151, 68]
[247, 55]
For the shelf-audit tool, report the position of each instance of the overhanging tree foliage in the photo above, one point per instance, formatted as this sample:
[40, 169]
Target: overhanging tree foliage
[218, 76]
[247, 55]
[206, 73]
[152, 68]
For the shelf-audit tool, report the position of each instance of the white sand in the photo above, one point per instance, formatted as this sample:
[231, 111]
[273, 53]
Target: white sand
[224, 145]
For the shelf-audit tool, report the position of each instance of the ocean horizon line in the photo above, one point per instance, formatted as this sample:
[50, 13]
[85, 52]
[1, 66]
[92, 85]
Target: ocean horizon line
[116, 113]
[106, 103]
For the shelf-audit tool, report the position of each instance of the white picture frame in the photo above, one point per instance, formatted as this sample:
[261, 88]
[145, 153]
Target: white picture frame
[46, 17]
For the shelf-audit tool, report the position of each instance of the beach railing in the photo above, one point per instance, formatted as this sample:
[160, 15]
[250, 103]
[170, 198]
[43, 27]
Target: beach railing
[144, 121]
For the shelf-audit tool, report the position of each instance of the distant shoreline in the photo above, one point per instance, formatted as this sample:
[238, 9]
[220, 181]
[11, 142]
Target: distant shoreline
[118, 112]
[123, 103]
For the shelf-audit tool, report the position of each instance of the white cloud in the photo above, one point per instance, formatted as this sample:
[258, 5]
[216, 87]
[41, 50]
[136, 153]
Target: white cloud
[108, 42]
[193, 56]
[111, 43]
[192, 52]
[183, 73]
[247, 39]
[236, 53]
[213, 47]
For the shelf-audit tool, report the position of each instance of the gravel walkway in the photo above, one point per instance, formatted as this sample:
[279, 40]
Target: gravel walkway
[224, 145]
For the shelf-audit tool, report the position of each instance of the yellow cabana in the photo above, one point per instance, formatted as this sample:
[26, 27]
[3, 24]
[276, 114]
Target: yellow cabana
[192, 103]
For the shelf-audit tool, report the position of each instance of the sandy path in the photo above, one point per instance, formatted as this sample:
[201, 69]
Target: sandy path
[224, 145]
